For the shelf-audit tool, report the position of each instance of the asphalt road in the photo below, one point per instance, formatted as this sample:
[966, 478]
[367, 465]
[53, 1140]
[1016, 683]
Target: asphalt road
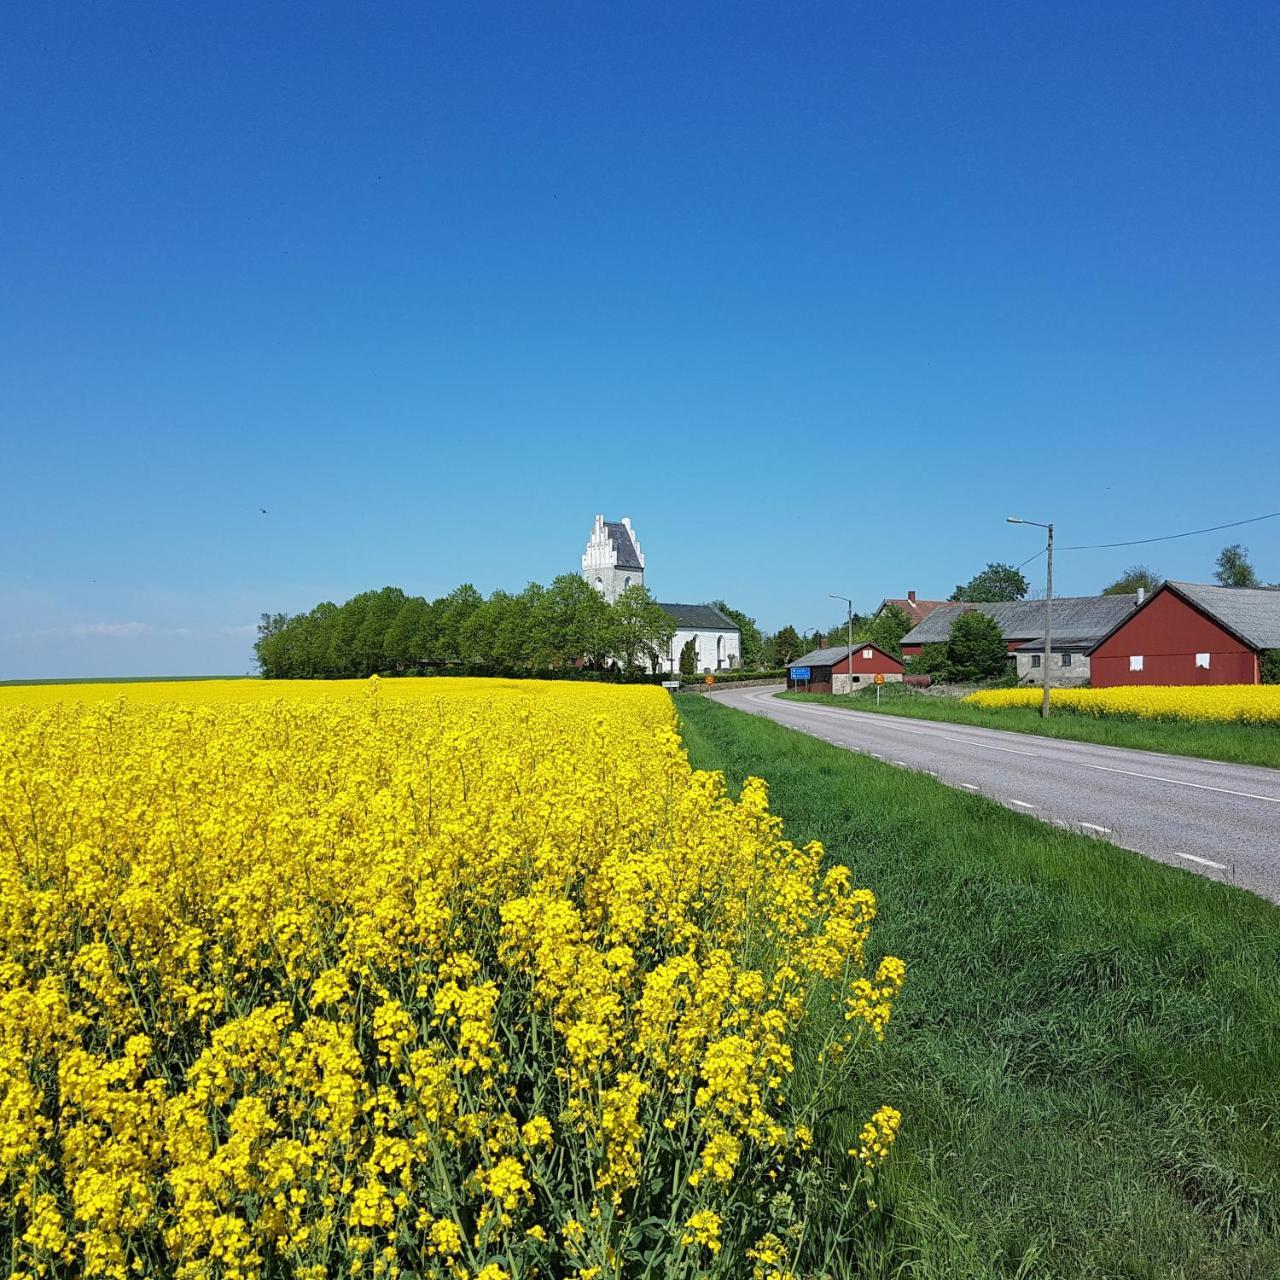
[1222, 820]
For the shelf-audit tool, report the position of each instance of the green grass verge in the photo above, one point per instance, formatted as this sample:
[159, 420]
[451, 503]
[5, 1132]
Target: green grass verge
[1237, 743]
[1087, 1053]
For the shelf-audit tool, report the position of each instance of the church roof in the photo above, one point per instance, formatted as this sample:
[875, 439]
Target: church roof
[700, 617]
[620, 536]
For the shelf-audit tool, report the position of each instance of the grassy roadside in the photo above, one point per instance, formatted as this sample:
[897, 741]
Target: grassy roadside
[1236, 743]
[1087, 1054]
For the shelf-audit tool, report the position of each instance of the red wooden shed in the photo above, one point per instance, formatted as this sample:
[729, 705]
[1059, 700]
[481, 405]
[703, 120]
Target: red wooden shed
[1188, 633]
[824, 665]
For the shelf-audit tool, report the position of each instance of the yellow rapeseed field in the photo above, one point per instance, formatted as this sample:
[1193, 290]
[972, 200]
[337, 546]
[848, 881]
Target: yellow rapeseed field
[451, 978]
[1246, 703]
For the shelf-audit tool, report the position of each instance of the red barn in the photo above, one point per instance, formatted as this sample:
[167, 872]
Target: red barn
[829, 670]
[1186, 633]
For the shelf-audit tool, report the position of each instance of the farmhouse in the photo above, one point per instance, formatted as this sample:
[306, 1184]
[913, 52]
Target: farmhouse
[835, 671]
[1186, 633]
[915, 609]
[1077, 623]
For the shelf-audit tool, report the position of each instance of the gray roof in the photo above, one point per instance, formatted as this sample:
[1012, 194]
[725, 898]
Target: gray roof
[822, 657]
[702, 617]
[1252, 613]
[1082, 619]
[620, 536]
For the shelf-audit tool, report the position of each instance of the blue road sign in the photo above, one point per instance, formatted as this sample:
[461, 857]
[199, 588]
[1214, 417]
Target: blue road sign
[799, 673]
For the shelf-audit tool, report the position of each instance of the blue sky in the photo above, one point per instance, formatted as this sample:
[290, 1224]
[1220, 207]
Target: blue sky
[816, 294]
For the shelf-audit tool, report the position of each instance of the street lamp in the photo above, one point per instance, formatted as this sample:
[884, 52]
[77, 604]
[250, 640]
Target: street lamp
[849, 602]
[1048, 619]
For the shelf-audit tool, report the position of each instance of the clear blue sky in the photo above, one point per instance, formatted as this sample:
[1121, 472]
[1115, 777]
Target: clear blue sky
[816, 294]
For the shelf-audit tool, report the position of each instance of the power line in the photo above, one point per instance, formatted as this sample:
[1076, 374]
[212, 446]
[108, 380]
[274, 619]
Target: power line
[1037, 556]
[1169, 537]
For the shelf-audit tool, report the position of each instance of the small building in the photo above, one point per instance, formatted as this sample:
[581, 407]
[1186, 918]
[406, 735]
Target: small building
[1188, 633]
[717, 641]
[1077, 623]
[834, 671]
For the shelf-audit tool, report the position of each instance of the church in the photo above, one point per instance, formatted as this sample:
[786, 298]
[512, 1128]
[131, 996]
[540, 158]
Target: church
[613, 562]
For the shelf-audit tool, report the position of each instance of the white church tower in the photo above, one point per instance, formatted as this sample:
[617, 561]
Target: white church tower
[613, 560]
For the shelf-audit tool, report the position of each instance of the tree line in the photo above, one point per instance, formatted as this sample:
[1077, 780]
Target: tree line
[567, 626]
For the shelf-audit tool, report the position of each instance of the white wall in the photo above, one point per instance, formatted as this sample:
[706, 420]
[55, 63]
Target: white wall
[707, 651]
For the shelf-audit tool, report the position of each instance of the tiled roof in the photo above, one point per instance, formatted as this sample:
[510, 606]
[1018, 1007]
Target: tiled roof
[620, 536]
[1082, 618]
[701, 617]
[916, 610]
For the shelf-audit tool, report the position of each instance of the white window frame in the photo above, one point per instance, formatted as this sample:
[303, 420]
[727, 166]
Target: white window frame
[1202, 662]
[1135, 662]
[867, 653]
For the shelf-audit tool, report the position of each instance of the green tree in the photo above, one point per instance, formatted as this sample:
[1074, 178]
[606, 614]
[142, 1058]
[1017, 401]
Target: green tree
[784, 646]
[641, 630]
[995, 583]
[570, 623]
[402, 647]
[368, 649]
[751, 653]
[975, 649]
[450, 617]
[1234, 569]
[886, 629]
[1269, 666]
[930, 661]
[1138, 575]
[689, 658]
[273, 646]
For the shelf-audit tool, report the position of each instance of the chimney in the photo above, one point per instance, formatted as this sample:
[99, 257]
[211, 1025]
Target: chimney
[1142, 594]
[911, 595]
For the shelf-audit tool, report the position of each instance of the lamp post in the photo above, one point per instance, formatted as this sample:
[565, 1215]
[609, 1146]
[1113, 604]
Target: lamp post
[849, 658]
[1048, 617]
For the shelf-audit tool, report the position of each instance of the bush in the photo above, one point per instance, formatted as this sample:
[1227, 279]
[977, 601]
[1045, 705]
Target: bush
[976, 650]
[930, 661]
[1270, 666]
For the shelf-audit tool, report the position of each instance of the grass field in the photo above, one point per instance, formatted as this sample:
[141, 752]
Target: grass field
[1237, 743]
[1087, 1053]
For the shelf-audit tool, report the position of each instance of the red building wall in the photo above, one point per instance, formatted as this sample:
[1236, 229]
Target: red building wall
[1168, 634]
[879, 664]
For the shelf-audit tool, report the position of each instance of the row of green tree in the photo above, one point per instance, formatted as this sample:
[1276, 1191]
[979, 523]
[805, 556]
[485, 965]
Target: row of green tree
[563, 626]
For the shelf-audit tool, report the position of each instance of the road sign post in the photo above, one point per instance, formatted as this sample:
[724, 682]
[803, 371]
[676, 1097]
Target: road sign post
[879, 682]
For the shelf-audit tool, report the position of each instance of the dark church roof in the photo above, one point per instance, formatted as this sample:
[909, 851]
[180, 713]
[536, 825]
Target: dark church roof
[700, 617]
[620, 536]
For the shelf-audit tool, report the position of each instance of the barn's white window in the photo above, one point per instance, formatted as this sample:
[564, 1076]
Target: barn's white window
[1202, 660]
[1135, 662]
[866, 653]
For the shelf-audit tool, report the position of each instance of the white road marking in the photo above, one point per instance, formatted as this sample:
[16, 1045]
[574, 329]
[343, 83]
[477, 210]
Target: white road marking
[875, 755]
[1204, 862]
[903, 763]
[1093, 826]
[931, 773]
[1022, 804]
[968, 786]
[888, 722]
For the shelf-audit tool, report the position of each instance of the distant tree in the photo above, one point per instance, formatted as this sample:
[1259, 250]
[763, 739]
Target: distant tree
[752, 642]
[1234, 569]
[784, 647]
[975, 649]
[641, 630]
[930, 661]
[1269, 666]
[403, 646]
[272, 649]
[451, 615]
[570, 622]
[368, 652]
[689, 658]
[886, 629]
[839, 632]
[995, 583]
[1127, 584]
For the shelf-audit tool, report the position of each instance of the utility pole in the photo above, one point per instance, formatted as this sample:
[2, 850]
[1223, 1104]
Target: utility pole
[1048, 610]
[849, 659]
